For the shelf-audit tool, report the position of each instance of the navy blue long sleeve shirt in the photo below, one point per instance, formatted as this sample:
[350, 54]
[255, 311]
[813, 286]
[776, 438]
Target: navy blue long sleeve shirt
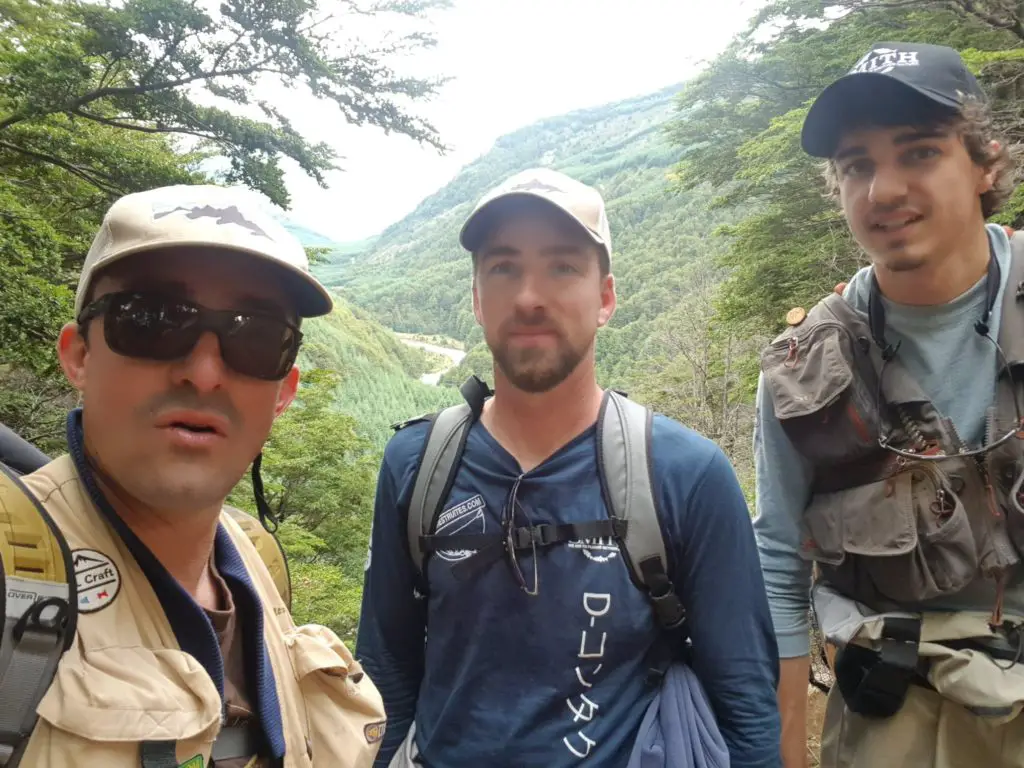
[503, 678]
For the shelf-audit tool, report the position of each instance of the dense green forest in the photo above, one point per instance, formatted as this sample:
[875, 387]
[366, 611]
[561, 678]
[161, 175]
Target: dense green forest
[100, 100]
[719, 222]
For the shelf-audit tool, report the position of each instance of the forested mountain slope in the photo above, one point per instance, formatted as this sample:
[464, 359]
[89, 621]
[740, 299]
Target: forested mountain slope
[378, 374]
[415, 277]
[719, 221]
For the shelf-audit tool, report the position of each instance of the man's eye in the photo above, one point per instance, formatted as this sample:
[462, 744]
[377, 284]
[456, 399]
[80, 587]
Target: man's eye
[565, 268]
[856, 168]
[922, 153]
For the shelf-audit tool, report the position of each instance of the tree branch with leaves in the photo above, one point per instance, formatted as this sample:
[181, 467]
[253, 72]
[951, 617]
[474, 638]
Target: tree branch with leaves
[152, 65]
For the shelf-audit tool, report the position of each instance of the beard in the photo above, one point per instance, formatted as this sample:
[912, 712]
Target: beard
[536, 369]
[898, 260]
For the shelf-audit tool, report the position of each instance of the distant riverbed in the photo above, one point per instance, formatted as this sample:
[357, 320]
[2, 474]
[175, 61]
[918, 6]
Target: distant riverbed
[454, 355]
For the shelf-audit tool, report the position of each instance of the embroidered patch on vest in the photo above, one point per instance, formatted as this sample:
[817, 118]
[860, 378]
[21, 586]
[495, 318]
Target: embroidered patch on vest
[98, 579]
[192, 762]
[374, 732]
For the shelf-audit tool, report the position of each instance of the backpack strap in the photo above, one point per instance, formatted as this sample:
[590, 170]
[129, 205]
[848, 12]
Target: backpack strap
[38, 610]
[1010, 381]
[626, 474]
[438, 465]
[1011, 324]
[18, 454]
[269, 549]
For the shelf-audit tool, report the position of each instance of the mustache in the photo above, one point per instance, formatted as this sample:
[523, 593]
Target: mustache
[534, 321]
[188, 398]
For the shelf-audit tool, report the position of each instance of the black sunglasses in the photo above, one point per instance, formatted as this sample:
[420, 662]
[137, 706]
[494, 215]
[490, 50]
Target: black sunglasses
[153, 326]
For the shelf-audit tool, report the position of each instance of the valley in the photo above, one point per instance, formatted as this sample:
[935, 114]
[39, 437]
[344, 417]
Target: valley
[720, 225]
[450, 358]
[660, 346]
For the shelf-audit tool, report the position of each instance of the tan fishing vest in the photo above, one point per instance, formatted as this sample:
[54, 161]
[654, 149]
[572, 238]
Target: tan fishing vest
[124, 681]
[887, 530]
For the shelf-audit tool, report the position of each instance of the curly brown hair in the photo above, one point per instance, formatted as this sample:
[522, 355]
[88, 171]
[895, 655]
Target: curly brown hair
[975, 126]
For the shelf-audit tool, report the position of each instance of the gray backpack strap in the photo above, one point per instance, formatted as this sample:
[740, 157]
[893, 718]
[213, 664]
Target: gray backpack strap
[1011, 323]
[1009, 390]
[438, 465]
[626, 472]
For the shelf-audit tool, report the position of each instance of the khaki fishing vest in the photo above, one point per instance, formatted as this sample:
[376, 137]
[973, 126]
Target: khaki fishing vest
[886, 530]
[124, 681]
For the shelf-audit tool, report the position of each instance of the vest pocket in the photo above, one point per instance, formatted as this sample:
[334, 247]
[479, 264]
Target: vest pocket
[104, 703]
[1006, 468]
[904, 539]
[344, 710]
[829, 412]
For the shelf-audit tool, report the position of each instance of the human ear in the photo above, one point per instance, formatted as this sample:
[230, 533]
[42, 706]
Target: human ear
[73, 353]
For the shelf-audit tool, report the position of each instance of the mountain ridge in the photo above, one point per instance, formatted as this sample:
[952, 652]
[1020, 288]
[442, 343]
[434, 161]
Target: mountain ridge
[434, 203]
[416, 278]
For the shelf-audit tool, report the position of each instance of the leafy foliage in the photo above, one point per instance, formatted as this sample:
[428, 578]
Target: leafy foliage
[171, 67]
[740, 122]
[325, 594]
[100, 98]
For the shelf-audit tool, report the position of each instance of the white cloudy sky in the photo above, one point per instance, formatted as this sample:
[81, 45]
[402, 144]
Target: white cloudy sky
[512, 62]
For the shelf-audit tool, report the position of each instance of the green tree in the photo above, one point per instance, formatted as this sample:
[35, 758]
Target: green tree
[98, 99]
[318, 471]
[173, 68]
[739, 127]
[318, 477]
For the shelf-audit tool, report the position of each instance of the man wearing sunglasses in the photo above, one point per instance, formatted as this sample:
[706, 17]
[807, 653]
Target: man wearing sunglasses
[539, 656]
[888, 442]
[183, 349]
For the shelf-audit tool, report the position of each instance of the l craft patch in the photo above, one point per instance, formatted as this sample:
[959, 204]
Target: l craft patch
[374, 732]
[98, 580]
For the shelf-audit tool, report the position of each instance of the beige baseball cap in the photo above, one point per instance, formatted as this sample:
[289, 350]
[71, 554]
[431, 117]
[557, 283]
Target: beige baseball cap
[201, 215]
[581, 203]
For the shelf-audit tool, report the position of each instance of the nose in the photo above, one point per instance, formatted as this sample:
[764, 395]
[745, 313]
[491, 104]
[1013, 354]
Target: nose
[888, 187]
[530, 296]
[204, 367]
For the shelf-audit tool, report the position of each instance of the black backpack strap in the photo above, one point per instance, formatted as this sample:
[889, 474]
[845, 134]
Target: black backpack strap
[18, 454]
[38, 610]
[626, 472]
[438, 465]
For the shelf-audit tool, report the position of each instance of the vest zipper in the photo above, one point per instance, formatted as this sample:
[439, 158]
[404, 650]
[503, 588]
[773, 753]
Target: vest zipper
[958, 443]
[997, 523]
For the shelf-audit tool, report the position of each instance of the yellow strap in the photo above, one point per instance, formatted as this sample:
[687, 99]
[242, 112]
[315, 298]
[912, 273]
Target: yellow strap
[29, 547]
[269, 549]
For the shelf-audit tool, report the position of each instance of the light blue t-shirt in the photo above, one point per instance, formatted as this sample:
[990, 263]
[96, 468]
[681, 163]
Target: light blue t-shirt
[954, 366]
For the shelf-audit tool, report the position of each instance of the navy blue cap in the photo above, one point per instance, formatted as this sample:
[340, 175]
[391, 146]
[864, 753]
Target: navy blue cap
[892, 84]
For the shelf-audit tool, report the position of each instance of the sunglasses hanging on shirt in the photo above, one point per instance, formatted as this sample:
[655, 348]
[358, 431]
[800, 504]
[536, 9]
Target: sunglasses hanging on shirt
[876, 320]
